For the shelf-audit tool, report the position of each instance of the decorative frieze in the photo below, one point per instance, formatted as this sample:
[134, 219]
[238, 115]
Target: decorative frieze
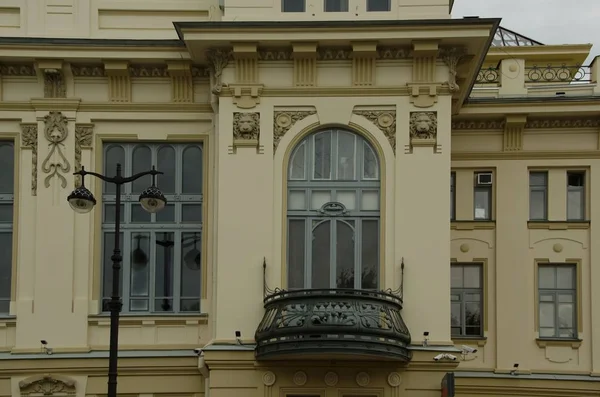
[18, 69]
[335, 54]
[385, 120]
[305, 64]
[54, 79]
[87, 70]
[563, 123]
[284, 120]
[55, 163]
[84, 134]
[364, 56]
[513, 133]
[363, 379]
[452, 57]
[423, 129]
[119, 81]
[145, 71]
[182, 85]
[246, 130]
[29, 140]
[478, 124]
[423, 86]
[218, 59]
[47, 385]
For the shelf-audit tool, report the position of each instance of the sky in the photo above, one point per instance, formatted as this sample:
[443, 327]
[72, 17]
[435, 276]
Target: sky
[546, 21]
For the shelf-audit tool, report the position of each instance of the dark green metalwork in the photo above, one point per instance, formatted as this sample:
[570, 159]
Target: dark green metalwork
[333, 321]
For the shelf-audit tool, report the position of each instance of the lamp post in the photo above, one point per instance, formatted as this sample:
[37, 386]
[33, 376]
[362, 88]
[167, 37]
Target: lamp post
[82, 201]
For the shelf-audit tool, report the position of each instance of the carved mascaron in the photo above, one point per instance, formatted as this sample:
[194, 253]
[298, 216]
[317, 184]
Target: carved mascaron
[423, 125]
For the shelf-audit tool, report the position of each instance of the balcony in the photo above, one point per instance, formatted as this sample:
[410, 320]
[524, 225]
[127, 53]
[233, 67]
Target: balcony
[333, 324]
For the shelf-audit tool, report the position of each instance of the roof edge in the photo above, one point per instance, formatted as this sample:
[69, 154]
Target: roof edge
[91, 42]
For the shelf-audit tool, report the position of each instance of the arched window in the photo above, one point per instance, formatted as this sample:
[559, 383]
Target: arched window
[333, 212]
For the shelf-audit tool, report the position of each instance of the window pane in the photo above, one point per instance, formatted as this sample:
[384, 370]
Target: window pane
[538, 179]
[456, 276]
[455, 315]
[565, 298]
[378, 5]
[370, 200]
[166, 215]
[7, 162]
[547, 277]
[346, 156]
[537, 205]
[6, 213]
[565, 315]
[547, 314]
[297, 200]
[140, 271]
[142, 161]
[139, 214]
[473, 314]
[108, 247]
[321, 252]
[166, 164]
[293, 5]
[565, 277]
[163, 275]
[575, 205]
[296, 253]
[191, 213]
[322, 162]
[318, 198]
[472, 277]
[482, 203]
[370, 254]
[191, 259]
[192, 170]
[345, 259]
[298, 163]
[336, 5]
[575, 179]
[547, 332]
[370, 165]
[115, 154]
[110, 213]
[348, 198]
[5, 269]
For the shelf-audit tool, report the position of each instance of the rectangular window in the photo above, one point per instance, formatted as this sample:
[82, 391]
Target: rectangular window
[557, 293]
[452, 196]
[538, 196]
[575, 195]
[483, 196]
[293, 5]
[6, 223]
[336, 5]
[378, 5]
[466, 296]
[161, 270]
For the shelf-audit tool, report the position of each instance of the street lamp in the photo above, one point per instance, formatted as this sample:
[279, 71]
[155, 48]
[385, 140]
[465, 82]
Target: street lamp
[83, 201]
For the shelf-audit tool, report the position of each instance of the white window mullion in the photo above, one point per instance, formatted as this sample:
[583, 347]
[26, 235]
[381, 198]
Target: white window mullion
[176, 282]
[152, 271]
[333, 253]
[308, 231]
[357, 253]
[126, 269]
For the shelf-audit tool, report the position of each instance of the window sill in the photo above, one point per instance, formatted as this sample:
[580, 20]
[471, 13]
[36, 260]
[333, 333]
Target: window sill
[558, 225]
[572, 343]
[480, 341]
[150, 319]
[8, 320]
[473, 225]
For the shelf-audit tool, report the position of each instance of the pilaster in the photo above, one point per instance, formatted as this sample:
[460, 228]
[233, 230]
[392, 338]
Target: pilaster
[182, 87]
[305, 64]
[513, 133]
[246, 89]
[119, 81]
[364, 56]
[423, 87]
[595, 270]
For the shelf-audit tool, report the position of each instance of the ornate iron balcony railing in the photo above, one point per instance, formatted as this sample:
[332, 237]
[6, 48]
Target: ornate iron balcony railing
[333, 322]
[490, 75]
[558, 74]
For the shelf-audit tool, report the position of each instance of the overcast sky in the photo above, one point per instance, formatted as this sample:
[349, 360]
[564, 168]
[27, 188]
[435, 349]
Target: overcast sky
[547, 21]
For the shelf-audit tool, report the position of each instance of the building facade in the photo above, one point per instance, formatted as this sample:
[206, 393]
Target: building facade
[453, 164]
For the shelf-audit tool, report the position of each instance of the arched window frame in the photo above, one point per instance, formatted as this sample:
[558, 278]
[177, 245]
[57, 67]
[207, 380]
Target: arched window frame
[313, 194]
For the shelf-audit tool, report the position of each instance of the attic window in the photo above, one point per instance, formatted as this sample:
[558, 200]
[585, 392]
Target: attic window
[293, 5]
[378, 5]
[336, 5]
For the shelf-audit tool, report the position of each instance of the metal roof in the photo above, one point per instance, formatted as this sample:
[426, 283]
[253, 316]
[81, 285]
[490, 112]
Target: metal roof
[507, 38]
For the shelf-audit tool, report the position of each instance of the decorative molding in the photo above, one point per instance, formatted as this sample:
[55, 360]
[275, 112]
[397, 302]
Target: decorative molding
[385, 120]
[246, 96]
[87, 70]
[84, 134]
[200, 72]
[334, 54]
[274, 55]
[394, 379]
[246, 130]
[182, 84]
[394, 52]
[54, 84]
[514, 128]
[305, 70]
[452, 57]
[18, 69]
[269, 378]
[144, 71]
[423, 86]
[218, 60]
[478, 124]
[119, 81]
[56, 132]
[300, 378]
[423, 130]
[331, 379]
[284, 120]
[363, 379]
[563, 123]
[572, 343]
[47, 385]
[29, 140]
[527, 155]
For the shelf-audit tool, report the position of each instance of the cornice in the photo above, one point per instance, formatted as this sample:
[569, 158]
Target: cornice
[532, 123]
[527, 155]
[76, 104]
[333, 91]
[521, 390]
[157, 70]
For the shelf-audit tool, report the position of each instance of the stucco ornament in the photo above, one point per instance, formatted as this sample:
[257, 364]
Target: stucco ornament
[394, 379]
[84, 134]
[269, 378]
[385, 120]
[363, 379]
[56, 163]
[246, 126]
[423, 125]
[29, 140]
[283, 121]
[47, 385]
[218, 59]
[452, 57]
[54, 84]
[300, 378]
[331, 378]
